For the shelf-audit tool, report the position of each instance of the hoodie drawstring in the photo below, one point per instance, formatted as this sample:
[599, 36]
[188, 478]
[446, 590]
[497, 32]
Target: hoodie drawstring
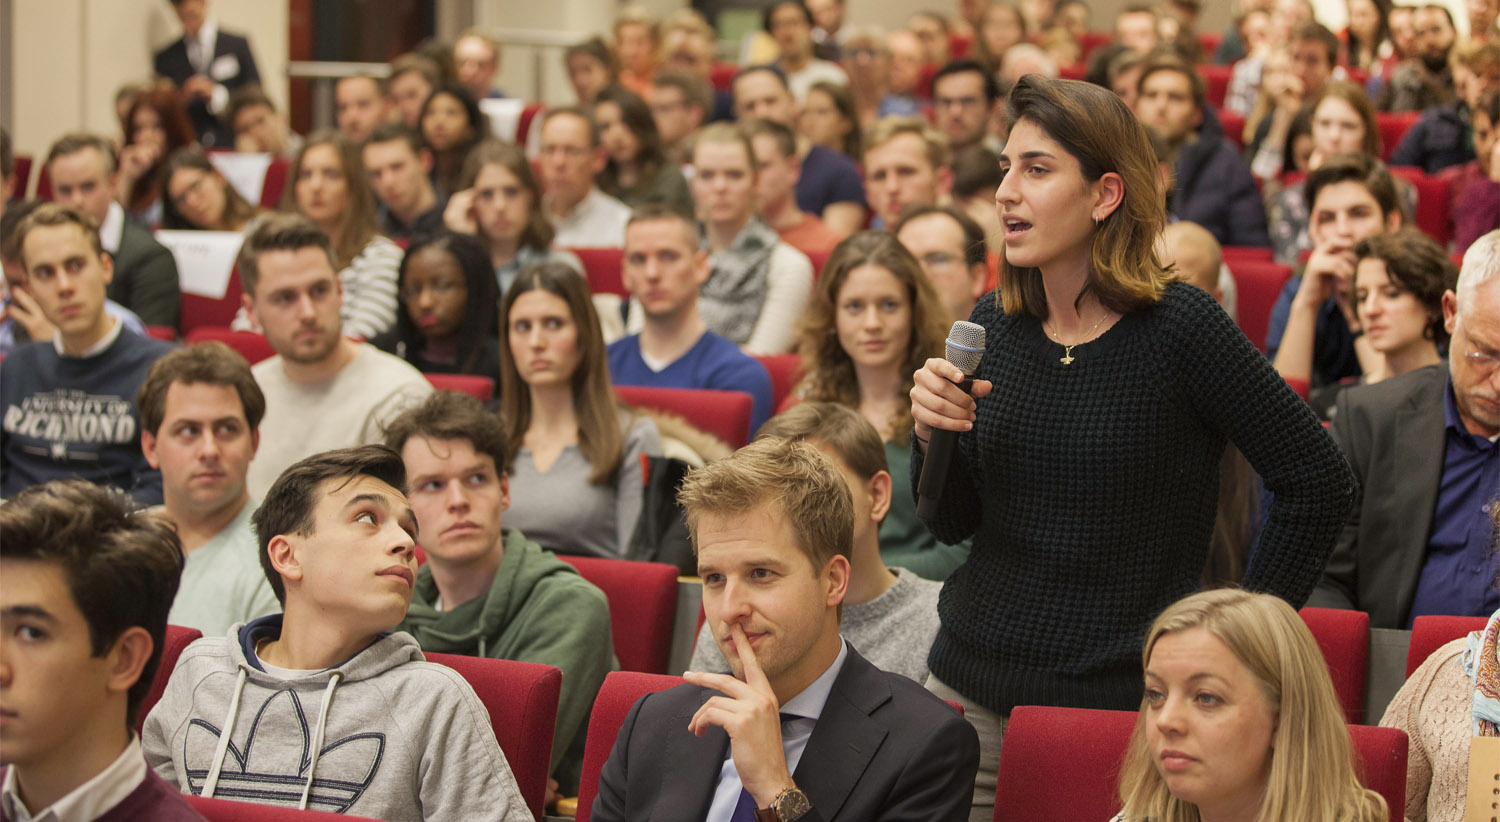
[224, 732]
[317, 740]
[481, 646]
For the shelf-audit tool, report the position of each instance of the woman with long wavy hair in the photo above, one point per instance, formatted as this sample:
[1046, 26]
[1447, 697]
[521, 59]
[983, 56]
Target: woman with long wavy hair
[1261, 738]
[873, 320]
[574, 450]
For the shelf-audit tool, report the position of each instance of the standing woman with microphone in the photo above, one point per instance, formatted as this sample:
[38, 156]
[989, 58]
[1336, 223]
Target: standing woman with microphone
[1087, 464]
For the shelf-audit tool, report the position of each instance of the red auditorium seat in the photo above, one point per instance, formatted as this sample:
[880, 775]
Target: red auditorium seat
[523, 126]
[1233, 124]
[1248, 252]
[253, 347]
[1217, 79]
[785, 371]
[724, 414]
[1094, 39]
[1258, 285]
[521, 698]
[1301, 386]
[178, 638]
[199, 312]
[642, 607]
[604, 268]
[1393, 125]
[165, 333]
[818, 260]
[722, 75]
[43, 183]
[1429, 633]
[1344, 638]
[1076, 71]
[1434, 209]
[275, 184]
[1032, 786]
[480, 387]
[1210, 41]
[224, 810]
[23, 177]
[620, 692]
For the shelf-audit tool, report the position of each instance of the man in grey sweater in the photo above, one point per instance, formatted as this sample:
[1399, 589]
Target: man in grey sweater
[890, 616]
[405, 739]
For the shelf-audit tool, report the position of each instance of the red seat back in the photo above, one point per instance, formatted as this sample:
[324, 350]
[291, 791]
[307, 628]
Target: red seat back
[818, 260]
[252, 346]
[1258, 285]
[275, 184]
[620, 691]
[642, 608]
[1393, 125]
[785, 371]
[178, 637]
[199, 312]
[23, 177]
[522, 700]
[1253, 253]
[1233, 124]
[165, 333]
[722, 75]
[604, 268]
[528, 114]
[43, 183]
[1216, 78]
[725, 414]
[1429, 633]
[224, 810]
[1032, 785]
[1434, 209]
[478, 386]
[1344, 638]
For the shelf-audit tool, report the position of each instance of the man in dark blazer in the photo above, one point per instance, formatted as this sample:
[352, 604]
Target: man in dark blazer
[1423, 446]
[208, 64]
[805, 730]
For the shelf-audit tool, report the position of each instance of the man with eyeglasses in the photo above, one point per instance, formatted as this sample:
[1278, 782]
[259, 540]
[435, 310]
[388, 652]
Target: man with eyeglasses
[681, 102]
[952, 250]
[571, 155]
[1424, 448]
[964, 100]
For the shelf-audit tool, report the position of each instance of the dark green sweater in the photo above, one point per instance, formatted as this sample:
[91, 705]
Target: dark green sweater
[1090, 492]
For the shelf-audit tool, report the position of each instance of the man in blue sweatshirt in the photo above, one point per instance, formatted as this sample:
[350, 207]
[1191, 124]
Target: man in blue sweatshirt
[69, 402]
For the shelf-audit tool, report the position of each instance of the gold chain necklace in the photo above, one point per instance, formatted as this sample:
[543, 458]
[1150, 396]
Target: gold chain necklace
[1067, 357]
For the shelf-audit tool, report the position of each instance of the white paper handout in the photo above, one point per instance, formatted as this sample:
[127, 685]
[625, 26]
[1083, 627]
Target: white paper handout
[504, 114]
[205, 259]
[246, 172]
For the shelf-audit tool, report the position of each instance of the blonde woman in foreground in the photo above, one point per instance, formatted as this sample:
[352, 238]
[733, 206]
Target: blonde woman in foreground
[1239, 721]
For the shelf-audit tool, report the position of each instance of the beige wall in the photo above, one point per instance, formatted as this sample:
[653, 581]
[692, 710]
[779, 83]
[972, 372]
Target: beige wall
[70, 56]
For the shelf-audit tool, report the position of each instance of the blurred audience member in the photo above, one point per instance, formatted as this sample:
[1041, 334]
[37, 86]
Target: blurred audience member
[156, 126]
[1200, 261]
[501, 204]
[1285, 91]
[976, 176]
[329, 186]
[951, 248]
[451, 125]
[476, 60]
[449, 308]
[1000, 27]
[636, 171]
[828, 26]
[907, 62]
[906, 164]
[828, 119]
[638, 45]
[1425, 79]
[758, 285]
[571, 156]
[964, 99]
[360, 104]
[1475, 186]
[208, 63]
[399, 164]
[257, 126]
[592, 66]
[1244, 81]
[1442, 138]
[412, 80]
[681, 102]
[1122, 73]
[868, 56]
[198, 196]
[1136, 28]
[790, 24]
[931, 30]
[776, 172]
[1367, 38]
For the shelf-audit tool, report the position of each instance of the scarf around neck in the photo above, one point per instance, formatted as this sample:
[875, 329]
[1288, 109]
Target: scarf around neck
[730, 302]
[1482, 665]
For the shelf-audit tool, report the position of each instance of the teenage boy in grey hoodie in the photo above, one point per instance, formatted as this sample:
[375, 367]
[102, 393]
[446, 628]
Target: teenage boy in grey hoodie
[490, 592]
[321, 707]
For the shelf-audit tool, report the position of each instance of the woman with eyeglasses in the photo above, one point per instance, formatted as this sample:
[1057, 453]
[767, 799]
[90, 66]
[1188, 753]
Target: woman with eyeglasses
[198, 196]
[449, 304]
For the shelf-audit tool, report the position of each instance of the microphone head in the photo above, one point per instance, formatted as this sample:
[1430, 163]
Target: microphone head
[965, 345]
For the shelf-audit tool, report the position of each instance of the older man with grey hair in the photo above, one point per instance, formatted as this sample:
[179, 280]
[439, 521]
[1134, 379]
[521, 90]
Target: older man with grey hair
[1424, 448]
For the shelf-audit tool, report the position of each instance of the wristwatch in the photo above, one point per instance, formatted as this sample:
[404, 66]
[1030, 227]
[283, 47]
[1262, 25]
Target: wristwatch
[788, 806]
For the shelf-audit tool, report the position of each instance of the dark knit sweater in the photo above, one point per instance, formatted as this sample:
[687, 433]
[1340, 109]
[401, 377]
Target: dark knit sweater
[1090, 491]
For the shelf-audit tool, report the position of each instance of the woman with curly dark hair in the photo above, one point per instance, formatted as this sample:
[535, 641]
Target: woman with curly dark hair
[156, 126]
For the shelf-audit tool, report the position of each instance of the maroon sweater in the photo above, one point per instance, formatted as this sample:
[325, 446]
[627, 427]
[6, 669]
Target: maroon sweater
[153, 799]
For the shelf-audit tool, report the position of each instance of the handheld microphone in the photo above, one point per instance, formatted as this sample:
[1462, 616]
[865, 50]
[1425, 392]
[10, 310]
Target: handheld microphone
[964, 348]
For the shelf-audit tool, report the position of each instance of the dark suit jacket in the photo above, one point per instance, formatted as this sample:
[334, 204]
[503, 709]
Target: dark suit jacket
[1392, 434]
[172, 62]
[145, 278]
[883, 749]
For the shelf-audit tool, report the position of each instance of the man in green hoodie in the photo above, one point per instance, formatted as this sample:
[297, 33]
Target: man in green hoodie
[487, 591]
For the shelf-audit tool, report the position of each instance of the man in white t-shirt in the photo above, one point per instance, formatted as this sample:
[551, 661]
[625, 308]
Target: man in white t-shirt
[790, 24]
[323, 390]
[200, 425]
[571, 155]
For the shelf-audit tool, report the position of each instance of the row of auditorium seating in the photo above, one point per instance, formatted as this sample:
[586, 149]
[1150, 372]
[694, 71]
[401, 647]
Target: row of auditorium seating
[522, 700]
